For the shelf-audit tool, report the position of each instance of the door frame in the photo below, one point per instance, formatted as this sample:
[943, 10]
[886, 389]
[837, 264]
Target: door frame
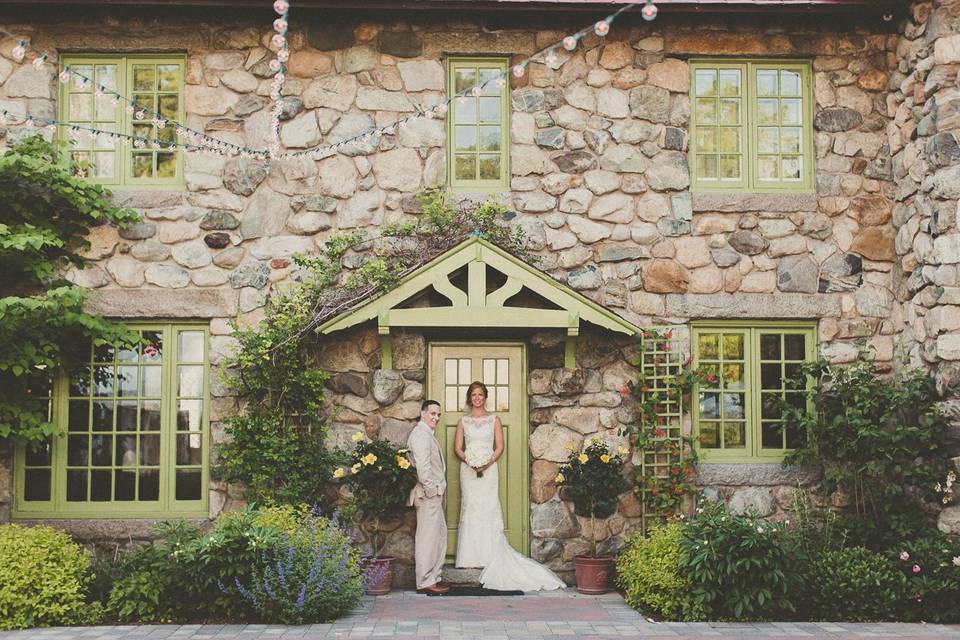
[524, 417]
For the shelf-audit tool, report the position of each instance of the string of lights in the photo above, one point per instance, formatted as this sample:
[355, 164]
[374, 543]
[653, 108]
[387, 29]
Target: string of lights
[196, 141]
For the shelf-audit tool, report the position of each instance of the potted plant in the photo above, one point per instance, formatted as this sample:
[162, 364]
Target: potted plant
[593, 480]
[380, 477]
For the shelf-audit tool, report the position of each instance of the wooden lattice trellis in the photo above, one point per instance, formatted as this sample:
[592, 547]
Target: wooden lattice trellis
[661, 359]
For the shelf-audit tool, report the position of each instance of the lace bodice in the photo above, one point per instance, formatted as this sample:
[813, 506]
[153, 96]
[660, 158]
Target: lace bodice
[478, 433]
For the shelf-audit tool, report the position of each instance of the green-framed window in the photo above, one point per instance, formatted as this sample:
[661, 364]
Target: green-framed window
[133, 437]
[751, 126]
[478, 128]
[154, 85]
[736, 411]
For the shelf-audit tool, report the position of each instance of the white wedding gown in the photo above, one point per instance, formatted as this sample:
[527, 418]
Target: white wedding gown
[481, 542]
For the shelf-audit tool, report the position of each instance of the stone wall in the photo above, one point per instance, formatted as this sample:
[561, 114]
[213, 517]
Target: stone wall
[924, 100]
[599, 182]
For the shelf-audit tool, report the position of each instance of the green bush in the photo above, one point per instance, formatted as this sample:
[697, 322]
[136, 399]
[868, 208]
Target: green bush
[854, 585]
[191, 575]
[740, 566]
[931, 567]
[43, 578]
[648, 570]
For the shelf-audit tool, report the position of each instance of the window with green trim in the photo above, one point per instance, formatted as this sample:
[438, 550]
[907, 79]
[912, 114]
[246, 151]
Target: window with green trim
[478, 127]
[153, 85]
[747, 367]
[133, 426]
[751, 126]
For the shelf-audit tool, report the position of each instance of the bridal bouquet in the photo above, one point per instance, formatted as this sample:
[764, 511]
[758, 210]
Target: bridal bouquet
[477, 457]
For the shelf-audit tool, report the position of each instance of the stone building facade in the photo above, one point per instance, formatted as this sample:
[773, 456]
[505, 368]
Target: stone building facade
[600, 181]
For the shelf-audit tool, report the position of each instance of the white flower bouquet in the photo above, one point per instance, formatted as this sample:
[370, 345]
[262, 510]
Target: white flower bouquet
[477, 457]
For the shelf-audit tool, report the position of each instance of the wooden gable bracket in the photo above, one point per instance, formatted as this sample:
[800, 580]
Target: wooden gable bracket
[476, 308]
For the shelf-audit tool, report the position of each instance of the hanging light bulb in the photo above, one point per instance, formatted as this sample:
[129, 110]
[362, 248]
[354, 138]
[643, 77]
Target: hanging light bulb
[280, 25]
[131, 108]
[283, 55]
[39, 61]
[140, 115]
[649, 11]
[570, 43]
[518, 71]
[550, 58]
[19, 51]
[64, 75]
[501, 82]
[475, 91]
[602, 27]
[281, 6]
[278, 40]
[274, 65]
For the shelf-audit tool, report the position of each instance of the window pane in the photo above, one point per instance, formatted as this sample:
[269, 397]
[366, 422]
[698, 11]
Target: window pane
[729, 112]
[152, 351]
[503, 371]
[126, 451]
[38, 455]
[466, 139]
[188, 484]
[791, 166]
[142, 165]
[189, 448]
[151, 379]
[144, 78]
[191, 381]
[79, 415]
[770, 346]
[489, 109]
[168, 76]
[729, 139]
[729, 82]
[707, 167]
[166, 165]
[190, 346]
[103, 381]
[81, 107]
[790, 112]
[489, 81]
[150, 450]
[102, 419]
[149, 488]
[489, 371]
[106, 110]
[102, 451]
[464, 80]
[709, 346]
[733, 376]
[489, 167]
[127, 381]
[706, 111]
[733, 406]
[767, 167]
[706, 138]
[709, 406]
[709, 435]
[36, 485]
[465, 110]
[189, 415]
[734, 435]
[767, 111]
[150, 415]
[144, 101]
[106, 76]
[766, 82]
[767, 140]
[790, 140]
[170, 106]
[789, 83]
[795, 346]
[100, 486]
[730, 167]
[733, 346]
[770, 406]
[125, 483]
[465, 167]
[706, 82]
[770, 376]
[104, 165]
[772, 437]
[77, 486]
[489, 138]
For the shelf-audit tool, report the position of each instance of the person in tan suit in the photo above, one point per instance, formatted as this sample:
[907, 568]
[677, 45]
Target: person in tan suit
[430, 548]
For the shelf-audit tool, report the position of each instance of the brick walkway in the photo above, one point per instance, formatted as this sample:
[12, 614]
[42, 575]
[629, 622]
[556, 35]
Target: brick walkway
[543, 616]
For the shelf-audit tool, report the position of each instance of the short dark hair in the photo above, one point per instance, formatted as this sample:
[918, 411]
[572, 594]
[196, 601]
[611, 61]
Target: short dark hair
[426, 405]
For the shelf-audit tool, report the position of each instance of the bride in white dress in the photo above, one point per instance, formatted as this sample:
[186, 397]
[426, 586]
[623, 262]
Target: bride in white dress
[481, 541]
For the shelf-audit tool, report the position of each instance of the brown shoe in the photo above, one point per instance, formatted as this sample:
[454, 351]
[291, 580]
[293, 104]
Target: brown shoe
[434, 590]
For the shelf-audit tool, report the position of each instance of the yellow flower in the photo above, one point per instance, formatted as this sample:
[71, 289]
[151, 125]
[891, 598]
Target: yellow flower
[622, 450]
[355, 468]
[402, 450]
[368, 459]
[559, 479]
[605, 458]
[339, 473]
[403, 463]
[571, 445]
[357, 436]
[583, 458]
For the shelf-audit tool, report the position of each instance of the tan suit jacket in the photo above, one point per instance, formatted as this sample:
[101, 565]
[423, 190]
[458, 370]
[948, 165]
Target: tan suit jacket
[431, 470]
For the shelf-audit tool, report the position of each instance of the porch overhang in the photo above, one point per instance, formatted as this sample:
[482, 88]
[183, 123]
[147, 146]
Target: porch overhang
[478, 306]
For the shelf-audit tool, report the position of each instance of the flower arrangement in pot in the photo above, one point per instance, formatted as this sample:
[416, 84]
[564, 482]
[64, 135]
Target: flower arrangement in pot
[380, 477]
[593, 480]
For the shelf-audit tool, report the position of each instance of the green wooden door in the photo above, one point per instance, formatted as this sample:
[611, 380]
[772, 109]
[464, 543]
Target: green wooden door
[502, 367]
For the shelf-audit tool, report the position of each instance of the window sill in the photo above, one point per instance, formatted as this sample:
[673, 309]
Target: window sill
[726, 202]
[753, 473]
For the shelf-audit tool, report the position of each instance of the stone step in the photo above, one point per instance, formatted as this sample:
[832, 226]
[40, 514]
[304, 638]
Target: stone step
[461, 577]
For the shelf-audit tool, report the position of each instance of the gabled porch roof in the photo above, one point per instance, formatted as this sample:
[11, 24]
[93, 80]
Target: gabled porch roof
[480, 306]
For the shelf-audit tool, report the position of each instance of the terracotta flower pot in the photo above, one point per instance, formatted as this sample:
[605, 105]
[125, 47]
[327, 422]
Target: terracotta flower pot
[381, 571]
[593, 574]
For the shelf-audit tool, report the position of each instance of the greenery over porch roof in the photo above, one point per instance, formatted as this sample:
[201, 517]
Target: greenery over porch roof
[477, 307]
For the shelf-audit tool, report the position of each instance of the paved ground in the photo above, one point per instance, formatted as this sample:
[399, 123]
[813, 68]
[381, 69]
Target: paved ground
[543, 616]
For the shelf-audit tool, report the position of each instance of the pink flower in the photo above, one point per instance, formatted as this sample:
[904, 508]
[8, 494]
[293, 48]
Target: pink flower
[956, 561]
[916, 568]
[904, 556]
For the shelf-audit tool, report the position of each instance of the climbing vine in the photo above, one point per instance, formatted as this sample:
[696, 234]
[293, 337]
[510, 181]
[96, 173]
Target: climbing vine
[276, 446]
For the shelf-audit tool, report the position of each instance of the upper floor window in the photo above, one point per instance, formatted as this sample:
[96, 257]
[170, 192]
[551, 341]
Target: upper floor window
[134, 425]
[478, 128]
[736, 412]
[153, 86]
[751, 126]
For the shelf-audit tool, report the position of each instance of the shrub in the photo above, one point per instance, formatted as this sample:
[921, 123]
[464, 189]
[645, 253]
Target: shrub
[739, 565]
[43, 578]
[855, 585]
[314, 575]
[649, 572]
[931, 567]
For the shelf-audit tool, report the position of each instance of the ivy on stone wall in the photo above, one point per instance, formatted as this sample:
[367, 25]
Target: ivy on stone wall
[277, 445]
[45, 215]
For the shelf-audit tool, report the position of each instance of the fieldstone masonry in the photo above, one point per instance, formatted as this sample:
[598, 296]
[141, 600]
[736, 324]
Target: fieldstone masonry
[600, 184]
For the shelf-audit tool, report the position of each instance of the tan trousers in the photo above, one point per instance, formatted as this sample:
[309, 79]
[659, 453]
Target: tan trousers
[430, 549]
